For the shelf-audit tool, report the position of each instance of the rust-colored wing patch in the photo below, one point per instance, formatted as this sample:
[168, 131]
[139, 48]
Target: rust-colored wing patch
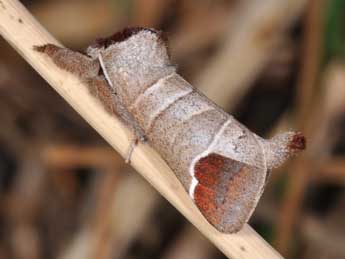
[226, 192]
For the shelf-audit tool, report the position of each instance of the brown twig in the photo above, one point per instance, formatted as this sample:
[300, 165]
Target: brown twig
[247, 49]
[78, 22]
[300, 169]
[67, 156]
[332, 170]
[190, 244]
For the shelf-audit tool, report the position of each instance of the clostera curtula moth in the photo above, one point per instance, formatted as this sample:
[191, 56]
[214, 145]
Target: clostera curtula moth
[222, 165]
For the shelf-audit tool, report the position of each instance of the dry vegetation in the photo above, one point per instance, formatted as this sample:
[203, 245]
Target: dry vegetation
[65, 194]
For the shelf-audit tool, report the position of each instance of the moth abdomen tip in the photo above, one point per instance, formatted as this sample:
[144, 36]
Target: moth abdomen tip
[298, 142]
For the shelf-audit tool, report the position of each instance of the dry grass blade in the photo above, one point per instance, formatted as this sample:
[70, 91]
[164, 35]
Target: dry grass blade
[23, 32]
[67, 156]
[247, 49]
[308, 113]
[190, 244]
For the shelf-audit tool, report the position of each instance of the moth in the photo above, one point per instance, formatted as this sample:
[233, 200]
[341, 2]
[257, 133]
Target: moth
[222, 165]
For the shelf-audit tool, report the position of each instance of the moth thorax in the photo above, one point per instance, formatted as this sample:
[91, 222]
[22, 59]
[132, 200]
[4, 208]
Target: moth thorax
[136, 63]
[139, 53]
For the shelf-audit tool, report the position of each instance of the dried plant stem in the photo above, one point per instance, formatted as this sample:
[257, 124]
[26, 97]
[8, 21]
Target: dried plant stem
[247, 48]
[68, 156]
[22, 31]
[332, 171]
[190, 244]
[94, 18]
[306, 117]
[327, 241]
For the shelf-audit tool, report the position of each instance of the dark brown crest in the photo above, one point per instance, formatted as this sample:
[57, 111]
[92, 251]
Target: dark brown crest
[124, 35]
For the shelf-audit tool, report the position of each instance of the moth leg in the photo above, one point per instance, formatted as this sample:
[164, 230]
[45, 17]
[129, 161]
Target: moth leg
[130, 150]
[131, 123]
[99, 87]
[75, 62]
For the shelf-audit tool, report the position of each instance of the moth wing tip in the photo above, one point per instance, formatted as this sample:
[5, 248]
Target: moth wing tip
[229, 228]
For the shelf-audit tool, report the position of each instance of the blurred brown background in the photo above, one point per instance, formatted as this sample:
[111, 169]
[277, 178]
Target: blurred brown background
[275, 65]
